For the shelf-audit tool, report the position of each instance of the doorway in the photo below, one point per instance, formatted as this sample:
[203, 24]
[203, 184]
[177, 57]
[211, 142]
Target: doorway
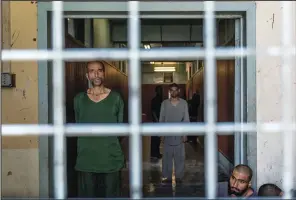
[172, 33]
[88, 7]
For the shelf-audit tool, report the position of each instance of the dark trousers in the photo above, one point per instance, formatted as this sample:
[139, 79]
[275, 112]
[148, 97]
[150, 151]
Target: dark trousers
[96, 185]
[155, 143]
[191, 137]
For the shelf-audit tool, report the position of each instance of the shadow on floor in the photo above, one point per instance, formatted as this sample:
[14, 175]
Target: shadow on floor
[193, 181]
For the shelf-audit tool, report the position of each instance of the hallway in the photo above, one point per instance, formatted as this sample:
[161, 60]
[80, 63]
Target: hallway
[117, 80]
[193, 182]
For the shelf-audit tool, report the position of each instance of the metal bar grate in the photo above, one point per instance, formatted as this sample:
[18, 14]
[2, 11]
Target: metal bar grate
[58, 55]
[135, 113]
[1, 43]
[287, 117]
[58, 102]
[211, 101]
[152, 54]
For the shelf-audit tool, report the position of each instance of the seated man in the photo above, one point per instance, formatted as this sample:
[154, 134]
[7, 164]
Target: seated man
[239, 184]
[270, 190]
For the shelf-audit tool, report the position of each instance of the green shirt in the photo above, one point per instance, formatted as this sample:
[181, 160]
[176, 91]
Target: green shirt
[100, 154]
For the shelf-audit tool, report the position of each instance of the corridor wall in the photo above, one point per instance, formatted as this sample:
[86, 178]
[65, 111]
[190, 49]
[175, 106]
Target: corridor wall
[225, 100]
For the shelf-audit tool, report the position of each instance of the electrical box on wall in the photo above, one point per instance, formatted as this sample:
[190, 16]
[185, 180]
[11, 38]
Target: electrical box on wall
[7, 80]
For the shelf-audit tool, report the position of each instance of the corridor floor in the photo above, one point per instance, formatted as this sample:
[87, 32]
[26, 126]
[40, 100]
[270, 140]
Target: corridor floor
[193, 181]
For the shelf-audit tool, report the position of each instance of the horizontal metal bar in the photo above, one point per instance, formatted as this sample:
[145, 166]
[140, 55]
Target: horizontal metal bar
[182, 7]
[76, 15]
[146, 129]
[90, 15]
[168, 53]
[189, 16]
[155, 198]
[73, 54]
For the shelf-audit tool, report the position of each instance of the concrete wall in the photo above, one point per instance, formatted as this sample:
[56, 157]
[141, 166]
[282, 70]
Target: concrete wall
[20, 172]
[269, 93]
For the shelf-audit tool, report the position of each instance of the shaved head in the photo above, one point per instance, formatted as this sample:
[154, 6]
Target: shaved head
[270, 190]
[244, 169]
[240, 180]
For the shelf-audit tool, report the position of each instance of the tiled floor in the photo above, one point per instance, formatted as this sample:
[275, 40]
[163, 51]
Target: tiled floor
[193, 182]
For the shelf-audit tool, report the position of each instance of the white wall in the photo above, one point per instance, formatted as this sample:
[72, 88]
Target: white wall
[269, 93]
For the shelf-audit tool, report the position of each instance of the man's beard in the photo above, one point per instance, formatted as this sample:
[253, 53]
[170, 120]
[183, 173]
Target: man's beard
[97, 82]
[238, 194]
[175, 96]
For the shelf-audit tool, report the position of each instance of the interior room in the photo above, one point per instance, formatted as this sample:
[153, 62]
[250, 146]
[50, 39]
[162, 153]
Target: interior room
[189, 75]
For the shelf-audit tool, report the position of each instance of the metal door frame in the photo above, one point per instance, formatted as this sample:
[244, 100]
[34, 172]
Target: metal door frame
[239, 95]
[246, 10]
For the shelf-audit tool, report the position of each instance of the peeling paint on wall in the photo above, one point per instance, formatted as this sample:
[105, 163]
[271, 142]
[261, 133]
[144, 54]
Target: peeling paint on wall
[20, 162]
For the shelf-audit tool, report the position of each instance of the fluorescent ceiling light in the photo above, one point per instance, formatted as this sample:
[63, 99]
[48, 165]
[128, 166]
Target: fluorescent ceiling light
[164, 69]
[147, 46]
[152, 63]
[165, 63]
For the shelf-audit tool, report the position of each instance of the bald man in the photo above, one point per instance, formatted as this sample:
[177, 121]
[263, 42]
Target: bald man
[270, 190]
[239, 184]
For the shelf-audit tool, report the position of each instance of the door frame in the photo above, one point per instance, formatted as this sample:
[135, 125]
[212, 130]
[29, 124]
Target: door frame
[178, 9]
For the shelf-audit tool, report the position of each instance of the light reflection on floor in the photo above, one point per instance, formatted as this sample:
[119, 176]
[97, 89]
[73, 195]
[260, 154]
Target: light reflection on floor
[192, 183]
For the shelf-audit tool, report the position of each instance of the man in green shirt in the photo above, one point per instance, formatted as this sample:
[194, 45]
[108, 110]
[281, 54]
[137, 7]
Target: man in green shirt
[99, 158]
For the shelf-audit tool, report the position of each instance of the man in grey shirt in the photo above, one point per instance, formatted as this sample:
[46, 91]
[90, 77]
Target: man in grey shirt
[174, 110]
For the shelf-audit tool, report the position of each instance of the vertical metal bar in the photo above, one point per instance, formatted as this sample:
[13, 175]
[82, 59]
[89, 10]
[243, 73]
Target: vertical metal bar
[211, 76]
[287, 109]
[58, 100]
[237, 95]
[1, 64]
[135, 100]
[242, 96]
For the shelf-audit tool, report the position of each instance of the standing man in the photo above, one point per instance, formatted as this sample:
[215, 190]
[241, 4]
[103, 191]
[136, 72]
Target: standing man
[174, 110]
[99, 158]
[155, 111]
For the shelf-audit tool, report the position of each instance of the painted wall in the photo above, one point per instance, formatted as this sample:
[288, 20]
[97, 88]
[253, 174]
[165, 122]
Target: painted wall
[225, 100]
[20, 163]
[269, 147]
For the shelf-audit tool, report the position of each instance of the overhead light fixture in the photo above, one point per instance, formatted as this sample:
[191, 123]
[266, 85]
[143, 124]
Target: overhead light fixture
[164, 69]
[147, 46]
[152, 63]
[165, 63]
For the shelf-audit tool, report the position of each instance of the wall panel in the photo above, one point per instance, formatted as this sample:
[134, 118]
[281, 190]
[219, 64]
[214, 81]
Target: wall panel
[225, 100]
